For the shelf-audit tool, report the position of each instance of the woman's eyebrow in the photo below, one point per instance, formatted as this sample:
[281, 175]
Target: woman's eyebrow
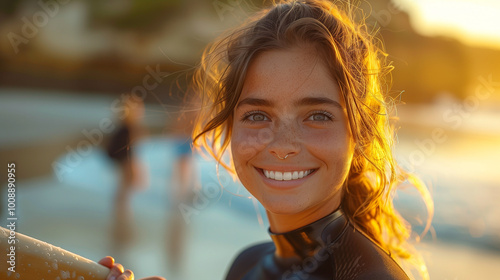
[309, 101]
[255, 102]
[306, 101]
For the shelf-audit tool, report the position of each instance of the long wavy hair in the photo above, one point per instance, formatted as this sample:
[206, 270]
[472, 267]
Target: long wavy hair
[358, 63]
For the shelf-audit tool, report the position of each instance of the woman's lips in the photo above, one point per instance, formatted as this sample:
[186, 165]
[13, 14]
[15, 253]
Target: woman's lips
[286, 175]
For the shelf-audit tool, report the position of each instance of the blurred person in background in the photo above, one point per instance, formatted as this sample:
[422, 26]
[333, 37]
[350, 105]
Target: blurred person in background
[184, 187]
[296, 96]
[131, 174]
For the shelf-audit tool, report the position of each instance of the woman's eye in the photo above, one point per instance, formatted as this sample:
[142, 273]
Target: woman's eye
[257, 117]
[321, 117]
[254, 117]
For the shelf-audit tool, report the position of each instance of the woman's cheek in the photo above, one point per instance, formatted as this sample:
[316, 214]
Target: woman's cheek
[321, 139]
[332, 144]
[246, 143]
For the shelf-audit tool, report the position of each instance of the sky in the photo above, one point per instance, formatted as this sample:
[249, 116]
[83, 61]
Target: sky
[475, 22]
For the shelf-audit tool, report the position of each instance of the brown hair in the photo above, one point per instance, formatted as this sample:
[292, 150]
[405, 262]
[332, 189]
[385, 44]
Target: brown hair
[356, 63]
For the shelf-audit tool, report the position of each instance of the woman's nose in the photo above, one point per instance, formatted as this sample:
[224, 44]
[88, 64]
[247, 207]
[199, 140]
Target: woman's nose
[286, 140]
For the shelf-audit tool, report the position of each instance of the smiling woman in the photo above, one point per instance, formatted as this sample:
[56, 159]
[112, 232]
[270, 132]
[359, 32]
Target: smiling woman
[295, 97]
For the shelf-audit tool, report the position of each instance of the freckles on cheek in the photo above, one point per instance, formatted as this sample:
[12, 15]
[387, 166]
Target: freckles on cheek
[320, 140]
[329, 146]
[245, 143]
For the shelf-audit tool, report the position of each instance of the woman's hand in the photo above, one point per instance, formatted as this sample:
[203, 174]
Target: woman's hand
[118, 273]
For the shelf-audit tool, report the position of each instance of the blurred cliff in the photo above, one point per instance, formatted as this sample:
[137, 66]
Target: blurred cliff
[105, 46]
[426, 67]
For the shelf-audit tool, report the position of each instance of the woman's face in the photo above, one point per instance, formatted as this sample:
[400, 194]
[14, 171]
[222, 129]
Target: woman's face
[291, 107]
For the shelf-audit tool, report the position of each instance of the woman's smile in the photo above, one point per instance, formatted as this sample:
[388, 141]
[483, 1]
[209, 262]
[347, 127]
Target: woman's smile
[281, 177]
[287, 175]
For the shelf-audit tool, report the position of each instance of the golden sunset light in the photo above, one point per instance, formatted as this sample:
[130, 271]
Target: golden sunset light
[171, 136]
[472, 22]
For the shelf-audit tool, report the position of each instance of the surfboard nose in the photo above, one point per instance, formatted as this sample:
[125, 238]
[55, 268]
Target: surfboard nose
[29, 258]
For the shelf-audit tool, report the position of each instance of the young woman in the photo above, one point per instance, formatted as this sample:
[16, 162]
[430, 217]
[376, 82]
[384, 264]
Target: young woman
[296, 98]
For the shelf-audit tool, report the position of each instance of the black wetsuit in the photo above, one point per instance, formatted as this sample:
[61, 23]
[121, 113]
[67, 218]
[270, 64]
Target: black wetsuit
[329, 248]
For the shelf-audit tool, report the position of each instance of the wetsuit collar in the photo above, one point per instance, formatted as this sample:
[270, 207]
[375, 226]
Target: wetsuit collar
[305, 241]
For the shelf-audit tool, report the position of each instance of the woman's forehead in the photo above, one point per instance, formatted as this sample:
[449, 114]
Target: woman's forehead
[292, 73]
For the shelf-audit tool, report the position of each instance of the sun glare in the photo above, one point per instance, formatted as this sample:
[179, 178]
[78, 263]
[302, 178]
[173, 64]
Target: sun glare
[475, 22]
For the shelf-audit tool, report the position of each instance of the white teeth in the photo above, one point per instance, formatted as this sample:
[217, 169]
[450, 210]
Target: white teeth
[286, 176]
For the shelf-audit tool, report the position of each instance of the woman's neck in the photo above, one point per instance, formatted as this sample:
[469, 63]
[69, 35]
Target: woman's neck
[281, 223]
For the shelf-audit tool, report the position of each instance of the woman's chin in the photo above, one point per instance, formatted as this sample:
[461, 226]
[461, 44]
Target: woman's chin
[283, 207]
